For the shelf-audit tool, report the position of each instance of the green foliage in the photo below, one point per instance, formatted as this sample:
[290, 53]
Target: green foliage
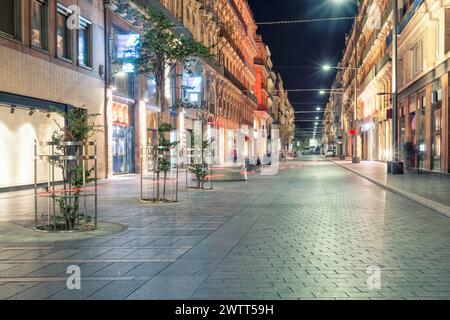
[164, 145]
[165, 128]
[184, 105]
[201, 170]
[79, 128]
[160, 45]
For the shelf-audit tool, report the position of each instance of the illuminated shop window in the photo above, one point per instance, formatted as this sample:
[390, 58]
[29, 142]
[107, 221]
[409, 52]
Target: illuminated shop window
[39, 25]
[85, 43]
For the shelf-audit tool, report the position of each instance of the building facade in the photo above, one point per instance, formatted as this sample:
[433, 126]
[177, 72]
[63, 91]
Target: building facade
[284, 117]
[229, 29]
[424, 52]
[49, 64]
[46, 65]
[422, 82]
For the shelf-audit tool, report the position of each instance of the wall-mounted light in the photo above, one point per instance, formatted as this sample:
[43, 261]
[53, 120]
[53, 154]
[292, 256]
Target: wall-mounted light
[101, 70]
[31, 112]
[13, 109]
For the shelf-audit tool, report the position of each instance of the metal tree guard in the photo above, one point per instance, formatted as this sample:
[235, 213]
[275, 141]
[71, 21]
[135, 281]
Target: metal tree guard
[74, 195]
[150, 155]
[195, 155]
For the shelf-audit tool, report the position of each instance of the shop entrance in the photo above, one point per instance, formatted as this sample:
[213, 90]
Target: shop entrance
[123, 149]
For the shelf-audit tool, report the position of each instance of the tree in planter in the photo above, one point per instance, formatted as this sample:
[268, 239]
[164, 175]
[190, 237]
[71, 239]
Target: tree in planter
[79, 128]
[201, 170]
[160, 47]
[163, 155]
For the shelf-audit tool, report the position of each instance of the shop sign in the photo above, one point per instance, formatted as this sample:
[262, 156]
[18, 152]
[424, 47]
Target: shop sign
[120, 114]
[125, 45]
[216, 123]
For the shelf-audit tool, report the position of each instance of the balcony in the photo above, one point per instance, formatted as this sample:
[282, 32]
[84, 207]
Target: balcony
[386, 58]
[260, 61]
[238, 14]
[406, 18]
[376, 69]
[234, 80]
[366, 16]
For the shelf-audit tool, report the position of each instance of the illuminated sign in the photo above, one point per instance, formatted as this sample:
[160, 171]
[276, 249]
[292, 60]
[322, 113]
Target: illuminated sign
[193, 84]
[128, 68]
[125, 44]
[120, 114]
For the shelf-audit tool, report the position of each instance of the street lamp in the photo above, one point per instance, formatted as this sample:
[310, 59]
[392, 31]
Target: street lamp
[396, 166]
[322, 92]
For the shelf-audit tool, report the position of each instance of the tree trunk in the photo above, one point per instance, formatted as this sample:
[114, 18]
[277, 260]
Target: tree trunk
[164, 185]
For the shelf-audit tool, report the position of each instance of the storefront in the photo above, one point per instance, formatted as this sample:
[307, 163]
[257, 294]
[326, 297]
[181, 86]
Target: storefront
[122, 139]
[22, 121]
[436, 127]
[368, 139]
[421, 123]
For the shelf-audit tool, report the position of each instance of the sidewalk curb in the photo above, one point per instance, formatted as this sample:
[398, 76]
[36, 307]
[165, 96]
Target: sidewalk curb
[430, 204]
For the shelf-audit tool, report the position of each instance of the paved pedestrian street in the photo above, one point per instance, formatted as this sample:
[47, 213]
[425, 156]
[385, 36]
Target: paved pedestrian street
[314, 231]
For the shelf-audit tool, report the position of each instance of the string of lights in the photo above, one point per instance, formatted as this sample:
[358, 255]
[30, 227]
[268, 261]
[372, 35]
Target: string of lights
[304, 20]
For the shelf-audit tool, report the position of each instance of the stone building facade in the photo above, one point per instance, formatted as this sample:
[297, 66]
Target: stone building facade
[45, 64]
[422, 82]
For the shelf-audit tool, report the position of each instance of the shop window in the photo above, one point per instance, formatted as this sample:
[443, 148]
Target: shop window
[10, 18]
[123, 72]
[422, 131]
[63, 34]
[85, 43]
[436, 130]
[39, 25]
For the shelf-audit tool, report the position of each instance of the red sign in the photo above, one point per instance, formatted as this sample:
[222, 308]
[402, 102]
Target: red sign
[216, 123]
[352, 132]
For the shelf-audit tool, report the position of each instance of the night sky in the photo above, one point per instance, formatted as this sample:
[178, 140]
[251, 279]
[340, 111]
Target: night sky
[308, 45]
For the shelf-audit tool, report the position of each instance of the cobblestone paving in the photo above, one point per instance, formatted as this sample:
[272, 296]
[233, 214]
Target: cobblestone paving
[435, 187]
[310, 232]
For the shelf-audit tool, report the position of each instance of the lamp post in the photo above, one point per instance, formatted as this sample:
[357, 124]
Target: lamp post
[395, 166]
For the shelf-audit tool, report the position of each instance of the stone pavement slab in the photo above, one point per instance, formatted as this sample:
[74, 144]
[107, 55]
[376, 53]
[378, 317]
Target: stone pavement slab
[435, 187]
[309, 232]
